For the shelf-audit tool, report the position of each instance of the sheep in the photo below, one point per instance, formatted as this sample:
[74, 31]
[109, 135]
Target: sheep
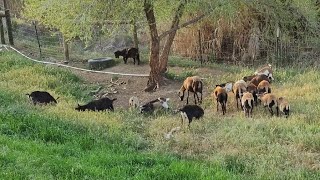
[247, 103]
[239, 88]
[266, 70]
[188, 112]
[264, 86]
[41, 97]
[192, 84]
[97, 105]
[270, 100]
[253, 90]
[256, 80]
[227, 86]
[284, 106]
[221, 96]
[134, 102]
[149, 107]
[128, 53]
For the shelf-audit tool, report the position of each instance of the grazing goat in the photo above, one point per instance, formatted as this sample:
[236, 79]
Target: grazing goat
[98, 105]
[247, 103]
[270, 100]
[264, 86]
[256, 80]
[191, 84]
[41, 97]
[266, 70]
[128, 53]
[227, 86]
[149, 107]
[251, 88]
[188, 112]
[248, 78]
[284, 106]
[221, 96]
[134, 102]
[239, 88]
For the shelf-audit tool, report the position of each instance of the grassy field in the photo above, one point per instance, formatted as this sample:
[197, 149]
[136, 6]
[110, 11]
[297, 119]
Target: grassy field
[57, 142]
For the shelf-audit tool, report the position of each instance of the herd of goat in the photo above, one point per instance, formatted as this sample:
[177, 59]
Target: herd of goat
[249, 92]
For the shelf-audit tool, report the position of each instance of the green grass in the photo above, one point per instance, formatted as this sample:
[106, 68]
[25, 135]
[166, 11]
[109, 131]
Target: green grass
[57, 142]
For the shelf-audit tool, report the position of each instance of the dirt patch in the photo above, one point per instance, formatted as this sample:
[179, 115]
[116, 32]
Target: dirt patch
[128, 86]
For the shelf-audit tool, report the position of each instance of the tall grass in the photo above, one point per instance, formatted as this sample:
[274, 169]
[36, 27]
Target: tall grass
[57, 142]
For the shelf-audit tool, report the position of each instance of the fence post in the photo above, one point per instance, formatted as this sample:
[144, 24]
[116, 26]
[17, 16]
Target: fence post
[65, 49]
[38, 40]
[200, 46]
[3, 41]
[9, 25]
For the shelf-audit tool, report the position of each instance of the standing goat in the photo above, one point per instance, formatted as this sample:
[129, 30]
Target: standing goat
[128, 53]
[247, 103]
[284, 106]
[188, 112]
[134, 102]
[239, 88]
[269, 100]
[191, 84]
[266, 70]
[221, 96]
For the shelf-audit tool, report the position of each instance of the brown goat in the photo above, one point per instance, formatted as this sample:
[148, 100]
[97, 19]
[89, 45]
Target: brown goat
[284, 106]
[269, 100]
[221, 96]
[264, 86]
[247, 103]
[256, 80]
[191, 84]
[239, 88]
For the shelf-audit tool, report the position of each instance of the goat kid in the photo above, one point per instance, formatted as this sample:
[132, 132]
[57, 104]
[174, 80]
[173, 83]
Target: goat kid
[284, 106]
[239, 88]
[269, 100]
[98, 105]
[191, 84]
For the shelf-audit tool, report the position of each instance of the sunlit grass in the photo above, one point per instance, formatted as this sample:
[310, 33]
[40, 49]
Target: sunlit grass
[41, 142]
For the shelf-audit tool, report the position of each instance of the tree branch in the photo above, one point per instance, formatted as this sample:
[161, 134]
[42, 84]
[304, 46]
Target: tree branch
[192, 21]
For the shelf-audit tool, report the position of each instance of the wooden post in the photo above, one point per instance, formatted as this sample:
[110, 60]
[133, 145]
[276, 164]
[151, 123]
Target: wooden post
[135, 35]
[39, 45]
[200, 46]
[9, 25]
[65, 49]
[3, 41]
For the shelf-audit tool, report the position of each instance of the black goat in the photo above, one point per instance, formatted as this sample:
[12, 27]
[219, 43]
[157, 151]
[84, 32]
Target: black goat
[149, 106]
[128, 53]
[191, 111]
[98, 105]
[41, 97]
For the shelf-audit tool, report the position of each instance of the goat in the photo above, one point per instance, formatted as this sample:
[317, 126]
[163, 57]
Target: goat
[188, 112]
[266, 70]
[264, 86]
[247, 103]
[98, 105]
[128, 53]
[41, 97]
[256, 80]
[251, 88]
[149, 107]
[191, 84]
[239, 88]
[284, 106]
[134, 102]
[221, 96]
[269, 100]
[227, 86]
[248, 78]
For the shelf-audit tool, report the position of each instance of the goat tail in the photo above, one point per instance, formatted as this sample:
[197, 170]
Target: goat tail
[28, 94]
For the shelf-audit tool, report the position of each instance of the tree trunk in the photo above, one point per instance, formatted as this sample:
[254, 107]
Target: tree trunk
[166, 49]
[135, 34]
[155, 78]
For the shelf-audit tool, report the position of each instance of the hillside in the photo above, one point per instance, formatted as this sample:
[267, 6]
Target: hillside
[56, 142]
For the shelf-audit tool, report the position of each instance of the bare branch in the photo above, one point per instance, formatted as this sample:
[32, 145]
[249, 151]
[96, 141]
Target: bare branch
[192, 21]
